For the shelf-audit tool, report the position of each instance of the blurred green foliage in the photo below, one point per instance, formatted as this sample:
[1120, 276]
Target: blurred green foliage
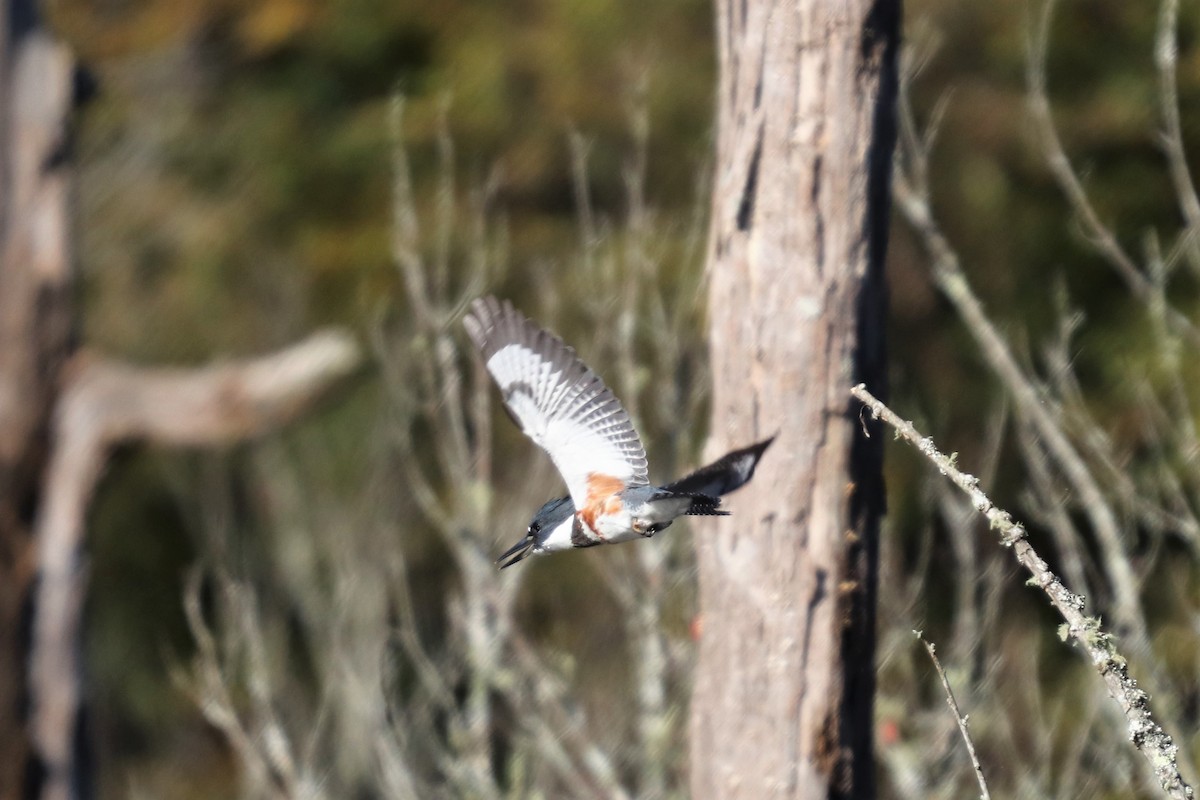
[238, 155]
[235, 192]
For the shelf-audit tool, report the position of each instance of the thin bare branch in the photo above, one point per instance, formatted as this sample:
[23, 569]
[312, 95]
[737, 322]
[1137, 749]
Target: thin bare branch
[1099, 234]
[1031, 403]
[959, 719]
[1166, 56]
[1039, 104]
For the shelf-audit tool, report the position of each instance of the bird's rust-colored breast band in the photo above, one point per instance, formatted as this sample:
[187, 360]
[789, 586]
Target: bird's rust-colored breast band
[602, 499]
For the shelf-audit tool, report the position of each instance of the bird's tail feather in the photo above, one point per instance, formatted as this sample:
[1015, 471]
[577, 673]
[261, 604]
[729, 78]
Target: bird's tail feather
[702, 505]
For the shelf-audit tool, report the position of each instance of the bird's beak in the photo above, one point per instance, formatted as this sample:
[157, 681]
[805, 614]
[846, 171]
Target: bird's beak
[517, 552]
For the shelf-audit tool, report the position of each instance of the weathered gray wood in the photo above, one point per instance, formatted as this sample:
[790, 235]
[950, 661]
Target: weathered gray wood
[782, 705]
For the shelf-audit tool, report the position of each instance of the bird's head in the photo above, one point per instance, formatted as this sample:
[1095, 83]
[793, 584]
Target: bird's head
[547, 518]
[551, 515]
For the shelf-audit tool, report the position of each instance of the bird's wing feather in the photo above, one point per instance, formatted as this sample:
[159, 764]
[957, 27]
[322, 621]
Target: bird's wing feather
[728, 473]
[558, 402]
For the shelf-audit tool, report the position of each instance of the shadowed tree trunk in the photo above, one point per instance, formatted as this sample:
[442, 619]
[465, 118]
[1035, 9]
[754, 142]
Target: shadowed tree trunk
[782, 705]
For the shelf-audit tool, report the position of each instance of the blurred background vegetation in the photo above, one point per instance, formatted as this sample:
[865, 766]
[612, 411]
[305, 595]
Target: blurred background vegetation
[235, 192]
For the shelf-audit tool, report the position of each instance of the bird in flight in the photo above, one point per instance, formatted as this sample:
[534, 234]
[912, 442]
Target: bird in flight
[568, 411]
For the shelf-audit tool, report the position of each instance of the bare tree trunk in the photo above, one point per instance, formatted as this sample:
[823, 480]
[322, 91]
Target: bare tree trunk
[36, 328]
[782, 705]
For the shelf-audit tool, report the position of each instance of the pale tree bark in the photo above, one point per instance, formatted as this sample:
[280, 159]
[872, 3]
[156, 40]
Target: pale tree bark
[105, 403]
[782, 705]
[61, 413]
[35, 332]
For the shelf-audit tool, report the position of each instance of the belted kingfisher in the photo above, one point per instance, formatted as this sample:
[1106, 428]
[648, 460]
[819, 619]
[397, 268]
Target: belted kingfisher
[568, 411]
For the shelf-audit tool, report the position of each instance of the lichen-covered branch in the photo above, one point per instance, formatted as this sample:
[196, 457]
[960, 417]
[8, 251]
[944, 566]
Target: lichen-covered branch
[1144, 732]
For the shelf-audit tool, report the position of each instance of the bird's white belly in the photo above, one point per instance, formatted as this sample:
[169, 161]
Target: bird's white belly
[659, 511]
[609, 528]
[616, 527]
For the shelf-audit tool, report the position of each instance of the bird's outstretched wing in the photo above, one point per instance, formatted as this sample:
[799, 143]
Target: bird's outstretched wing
[558, 402]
